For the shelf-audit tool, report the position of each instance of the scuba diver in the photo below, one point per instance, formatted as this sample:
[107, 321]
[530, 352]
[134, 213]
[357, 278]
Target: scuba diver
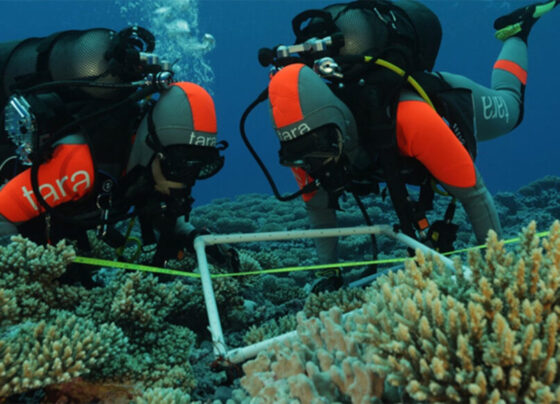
[95, 132]
[355, 103]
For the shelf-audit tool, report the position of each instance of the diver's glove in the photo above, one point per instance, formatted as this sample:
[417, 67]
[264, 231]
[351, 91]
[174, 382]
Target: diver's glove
[328, 280]
[442, 235]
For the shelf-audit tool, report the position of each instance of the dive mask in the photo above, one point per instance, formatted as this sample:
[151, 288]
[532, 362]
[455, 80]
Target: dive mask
[312, 150]
[186, 163]
[319, 153]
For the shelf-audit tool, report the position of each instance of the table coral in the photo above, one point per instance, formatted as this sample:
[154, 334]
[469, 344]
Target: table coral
[490, 335]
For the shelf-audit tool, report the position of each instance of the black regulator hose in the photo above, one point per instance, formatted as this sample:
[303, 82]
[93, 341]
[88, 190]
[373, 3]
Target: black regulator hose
[308, 188]
[49, 86]
[374, 248]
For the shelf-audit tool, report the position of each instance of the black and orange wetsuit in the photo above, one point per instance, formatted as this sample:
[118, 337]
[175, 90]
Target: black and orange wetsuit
[183, 116]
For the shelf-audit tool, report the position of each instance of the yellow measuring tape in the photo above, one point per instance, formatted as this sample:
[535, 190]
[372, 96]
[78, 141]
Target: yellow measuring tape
[148, 268]
[137, 267]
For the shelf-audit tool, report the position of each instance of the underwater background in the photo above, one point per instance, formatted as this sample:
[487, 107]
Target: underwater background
[141, 338]
[226, 64]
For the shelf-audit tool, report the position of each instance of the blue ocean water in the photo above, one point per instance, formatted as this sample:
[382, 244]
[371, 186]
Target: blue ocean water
[231, 72]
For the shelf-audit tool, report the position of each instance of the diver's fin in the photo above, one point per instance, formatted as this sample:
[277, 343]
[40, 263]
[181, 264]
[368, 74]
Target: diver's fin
[519, 22]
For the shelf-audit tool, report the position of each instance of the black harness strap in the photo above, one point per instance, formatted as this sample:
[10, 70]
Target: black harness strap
[398, 192]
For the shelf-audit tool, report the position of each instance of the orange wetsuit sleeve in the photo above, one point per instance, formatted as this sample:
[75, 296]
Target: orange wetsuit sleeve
[67, 176]
[424, 135]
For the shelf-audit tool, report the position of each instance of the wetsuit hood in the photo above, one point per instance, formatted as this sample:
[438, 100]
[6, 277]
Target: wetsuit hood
[301, 102]
[183, 116]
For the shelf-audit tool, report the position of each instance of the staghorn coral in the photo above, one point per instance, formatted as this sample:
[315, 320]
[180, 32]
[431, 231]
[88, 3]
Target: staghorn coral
[486, 336]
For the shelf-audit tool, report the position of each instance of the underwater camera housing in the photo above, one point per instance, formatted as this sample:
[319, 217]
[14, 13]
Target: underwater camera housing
[27, 129]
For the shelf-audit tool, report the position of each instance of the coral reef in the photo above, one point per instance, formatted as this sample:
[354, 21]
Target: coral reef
[485, 336]
[269, 329]
[54, 351]
[345, 299]
[158, 351]
[162, 396]
[40, 344]
[420, 334]
[52, 333]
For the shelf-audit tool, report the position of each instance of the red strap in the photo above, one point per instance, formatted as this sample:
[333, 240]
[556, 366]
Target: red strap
[512, 68]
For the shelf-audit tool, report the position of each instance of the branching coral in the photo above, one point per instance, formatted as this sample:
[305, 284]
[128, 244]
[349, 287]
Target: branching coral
[140, 300]
[38, 354]
[487, 336]
[270, 329]
[140, 306]
[28, 289]
[345, 299]
[52, 333]
[163, 396]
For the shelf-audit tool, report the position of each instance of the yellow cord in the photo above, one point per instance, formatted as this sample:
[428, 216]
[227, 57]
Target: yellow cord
[394, 68]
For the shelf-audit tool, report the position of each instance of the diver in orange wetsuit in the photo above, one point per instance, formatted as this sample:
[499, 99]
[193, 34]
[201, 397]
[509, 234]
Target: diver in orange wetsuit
[322, 135]
[107, 149]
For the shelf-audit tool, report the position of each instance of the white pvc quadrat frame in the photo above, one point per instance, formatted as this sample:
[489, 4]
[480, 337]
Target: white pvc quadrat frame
[238, 355]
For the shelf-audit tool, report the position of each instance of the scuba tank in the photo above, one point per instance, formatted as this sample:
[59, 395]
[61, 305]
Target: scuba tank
[49, 85]
[76, 81]
[99, 55]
